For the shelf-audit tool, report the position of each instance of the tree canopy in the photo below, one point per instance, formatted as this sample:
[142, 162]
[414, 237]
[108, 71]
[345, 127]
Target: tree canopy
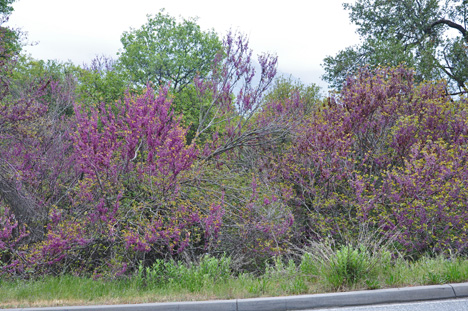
[5, 6]
[165, 50]
[428, 35]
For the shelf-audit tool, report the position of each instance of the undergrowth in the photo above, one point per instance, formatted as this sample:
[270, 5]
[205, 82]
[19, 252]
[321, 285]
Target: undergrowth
[341, 268]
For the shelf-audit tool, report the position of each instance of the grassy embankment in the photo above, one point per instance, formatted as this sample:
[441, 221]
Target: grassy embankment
[324, 271]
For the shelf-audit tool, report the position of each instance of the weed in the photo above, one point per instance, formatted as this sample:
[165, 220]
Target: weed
[454, 271]
[259, 287]
[432, 278]
[309, 267]
[372, 284]
[192, 277]
[348, 266]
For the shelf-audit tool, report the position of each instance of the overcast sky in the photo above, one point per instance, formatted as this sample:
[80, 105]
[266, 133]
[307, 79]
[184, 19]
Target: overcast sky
[301, 32]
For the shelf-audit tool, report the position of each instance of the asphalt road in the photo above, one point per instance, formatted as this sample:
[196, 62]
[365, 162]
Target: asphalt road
[439, 305]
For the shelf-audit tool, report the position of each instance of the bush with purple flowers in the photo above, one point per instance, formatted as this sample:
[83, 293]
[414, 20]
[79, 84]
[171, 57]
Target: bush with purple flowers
[108, 188]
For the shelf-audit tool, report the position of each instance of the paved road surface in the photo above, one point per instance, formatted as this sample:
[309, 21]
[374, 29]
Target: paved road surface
[439, 305]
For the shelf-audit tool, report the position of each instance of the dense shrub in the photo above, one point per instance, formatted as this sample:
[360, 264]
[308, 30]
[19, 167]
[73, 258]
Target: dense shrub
[114, 187]
[387, 153]
[114, 184]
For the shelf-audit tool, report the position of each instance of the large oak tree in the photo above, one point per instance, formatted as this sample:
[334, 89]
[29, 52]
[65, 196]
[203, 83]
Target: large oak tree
[429, 35]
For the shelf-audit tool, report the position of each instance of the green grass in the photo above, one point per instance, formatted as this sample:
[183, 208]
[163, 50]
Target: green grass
[346, 268]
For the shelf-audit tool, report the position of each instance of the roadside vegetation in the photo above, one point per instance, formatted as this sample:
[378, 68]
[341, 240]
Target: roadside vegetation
[348, 269]
[184, 170]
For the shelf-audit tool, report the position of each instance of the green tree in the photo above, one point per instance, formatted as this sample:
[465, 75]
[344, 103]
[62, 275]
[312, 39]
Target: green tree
[166, 51]
[5, 6]
[286, 88]
[61, 76]
[101, 81]
[90, 85]
[429, 35]
[10, 45]
[9, 38]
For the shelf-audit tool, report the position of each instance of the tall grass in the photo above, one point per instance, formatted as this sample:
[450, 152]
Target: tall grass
[343, 268]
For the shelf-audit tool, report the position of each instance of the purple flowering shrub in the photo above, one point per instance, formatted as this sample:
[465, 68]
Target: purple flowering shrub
[387, 153]
[36, 169]
[102, 188]
[123, 185]
[125, 201]
[11, 234]
[131, 163]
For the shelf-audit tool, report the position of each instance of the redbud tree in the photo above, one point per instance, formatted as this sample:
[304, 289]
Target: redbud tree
[230, 131]
[388, 154]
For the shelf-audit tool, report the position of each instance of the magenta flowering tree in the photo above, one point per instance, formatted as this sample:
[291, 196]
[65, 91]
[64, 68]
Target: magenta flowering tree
[425, 199]
[236, 127]
[116, 183]
[234, 98]
[123, 201]
[387, 153]
[35, 168]
[132, 161]
[411, 140]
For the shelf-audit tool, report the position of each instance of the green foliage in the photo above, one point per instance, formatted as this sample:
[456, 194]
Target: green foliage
[288, 276]
[90, 85]
[10, 38]
[454, 271]
[5, 6]
[28, 68]
[260, 286]
[441, 270]
[279, 270]
[10, 42]
[402, 32]
[101, 81]
[188, 103]
[61, 75]
[286, 89]
[166, 51]
[348, 266]
[193, 277]
[361, 262]
[373, 52]
[213, 278]
[309, 267]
